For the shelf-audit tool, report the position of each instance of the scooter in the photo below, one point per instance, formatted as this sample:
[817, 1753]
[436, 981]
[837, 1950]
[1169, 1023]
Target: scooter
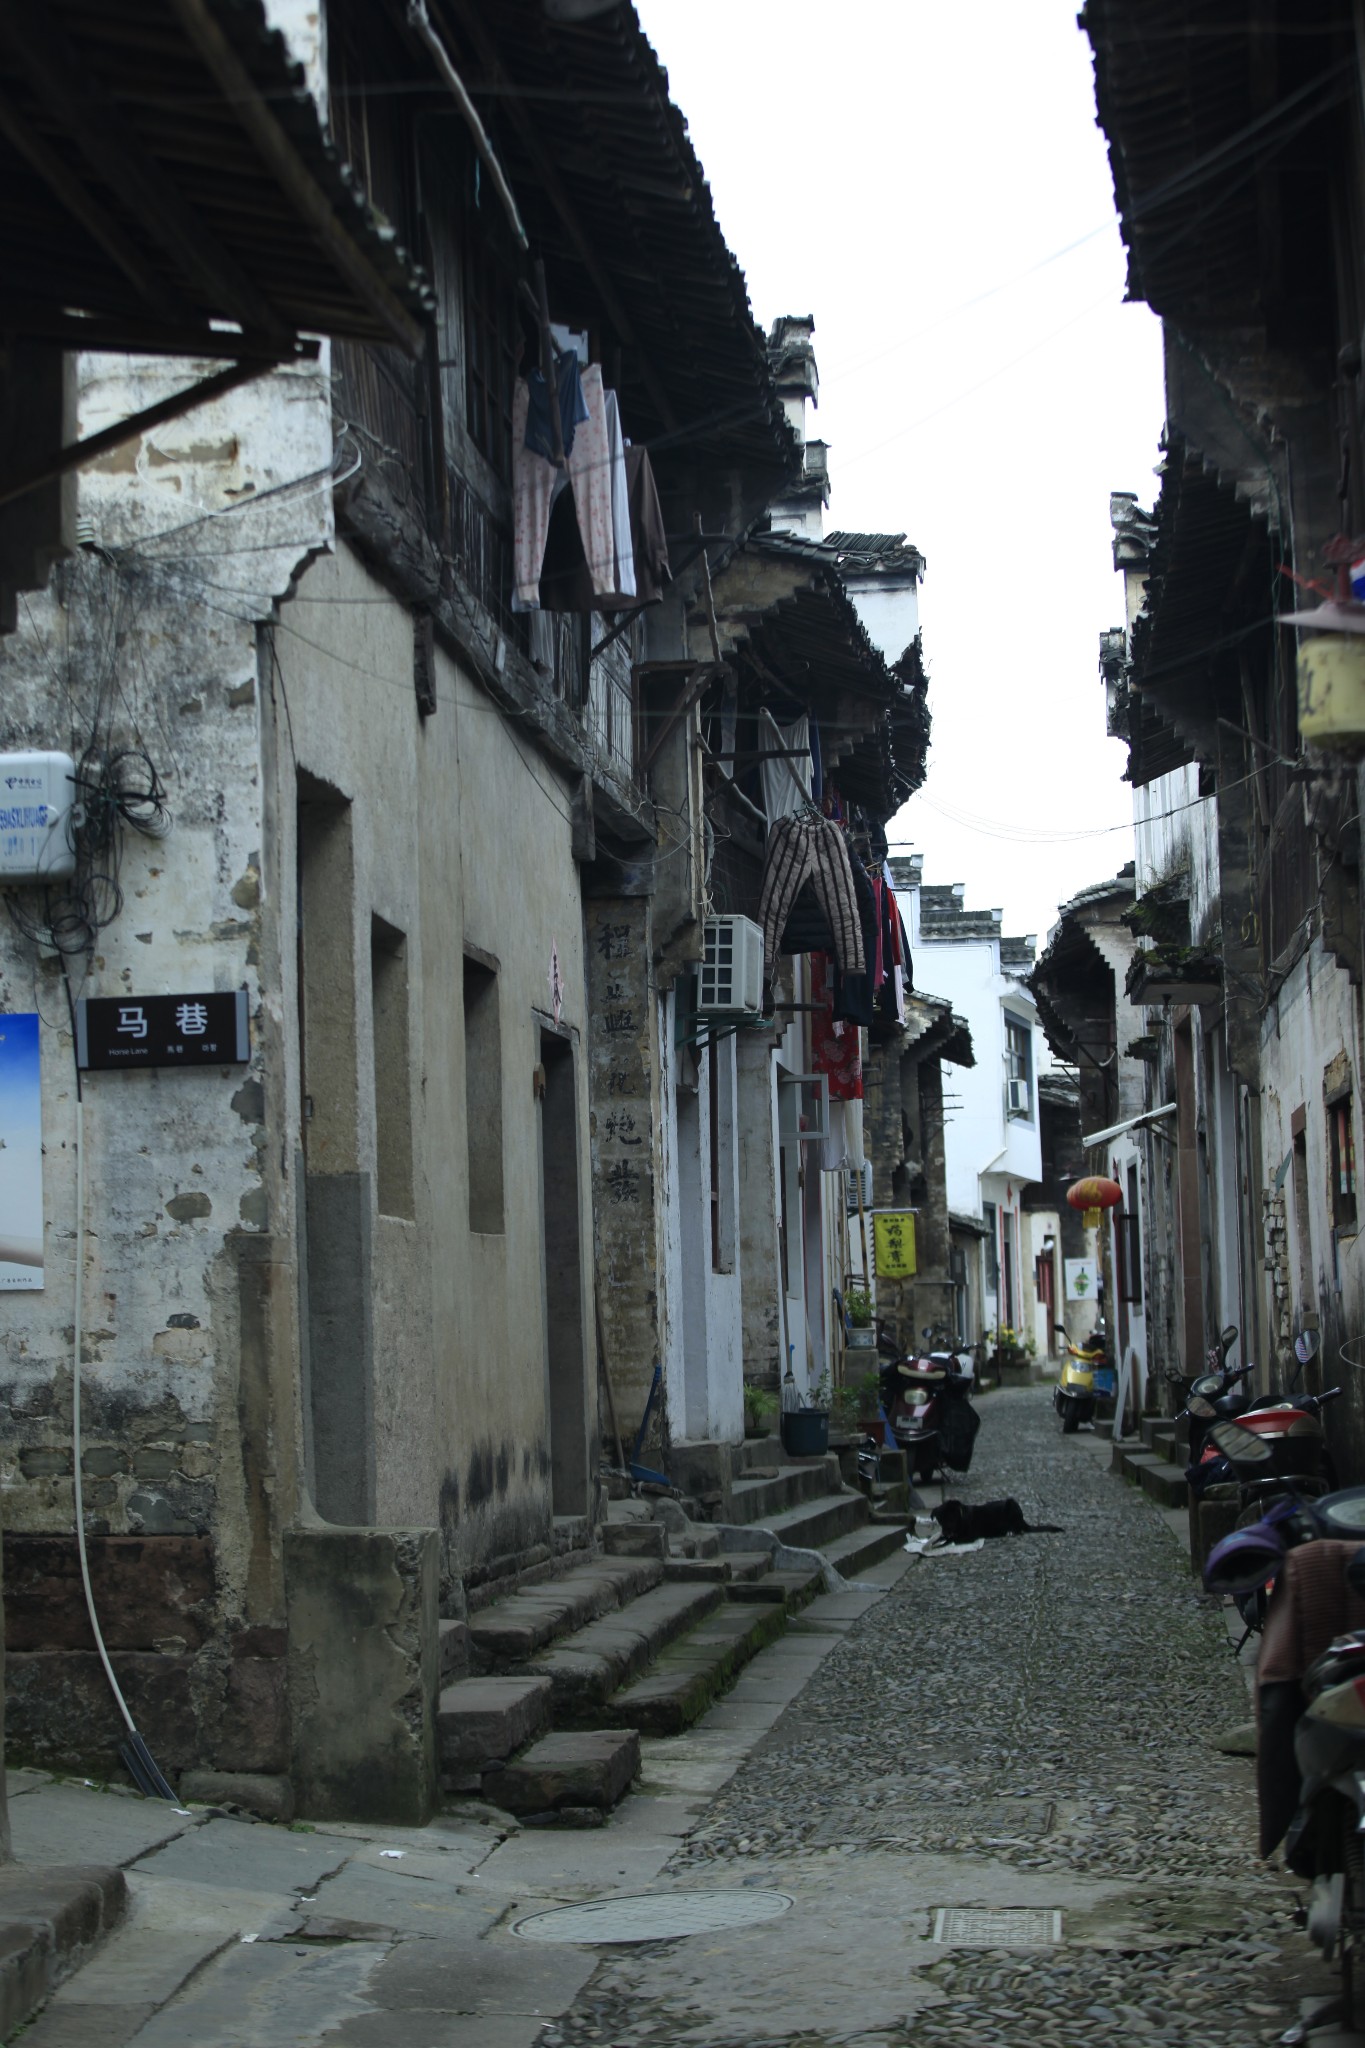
[1275, 1453]
[1311, 1741]
[1216, 1395]
[1281, 1438]
[926, 1406]
[1087, 1376]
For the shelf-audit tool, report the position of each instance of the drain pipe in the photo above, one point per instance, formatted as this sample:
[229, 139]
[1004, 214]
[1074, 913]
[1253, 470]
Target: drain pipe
[140, 1763]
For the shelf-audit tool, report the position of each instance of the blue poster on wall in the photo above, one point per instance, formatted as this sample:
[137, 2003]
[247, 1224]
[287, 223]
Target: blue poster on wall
[21, 1153]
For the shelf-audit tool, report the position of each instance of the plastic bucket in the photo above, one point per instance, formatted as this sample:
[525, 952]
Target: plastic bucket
[805, 1433]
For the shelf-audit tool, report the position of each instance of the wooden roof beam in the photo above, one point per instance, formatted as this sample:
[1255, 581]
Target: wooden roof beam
[57, 174]
[297, 183]
[36, 48]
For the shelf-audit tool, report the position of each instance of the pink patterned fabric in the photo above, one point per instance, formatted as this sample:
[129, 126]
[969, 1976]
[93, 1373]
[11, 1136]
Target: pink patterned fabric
[535, 485]
[590, 471]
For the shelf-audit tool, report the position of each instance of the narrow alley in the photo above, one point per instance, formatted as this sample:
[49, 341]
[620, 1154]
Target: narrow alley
[975, 1797]
[682, 744]
[1026, 1728]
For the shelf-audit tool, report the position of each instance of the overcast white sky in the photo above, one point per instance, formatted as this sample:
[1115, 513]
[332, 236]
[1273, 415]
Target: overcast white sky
[882, 164]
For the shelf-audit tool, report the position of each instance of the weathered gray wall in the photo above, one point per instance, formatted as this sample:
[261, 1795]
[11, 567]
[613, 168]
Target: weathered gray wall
[623, 1070]
[363, 1672]
[459, 836]
[149, 638]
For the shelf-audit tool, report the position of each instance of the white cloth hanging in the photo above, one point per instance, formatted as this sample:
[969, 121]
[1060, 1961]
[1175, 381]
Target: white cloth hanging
[781, 799]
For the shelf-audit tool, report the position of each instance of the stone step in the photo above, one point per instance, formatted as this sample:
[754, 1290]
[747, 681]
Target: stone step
[585, 1769]
[691, 1571]
[795, 1589]
[686, 1678]
[508, 1631]
[1163, 1481]
[635, 1539]
[817, 1523]
[758, 1500]
[453, 1656]
[1166, 1484]
[854, 1554]
[484, 1721]
[587, 1666]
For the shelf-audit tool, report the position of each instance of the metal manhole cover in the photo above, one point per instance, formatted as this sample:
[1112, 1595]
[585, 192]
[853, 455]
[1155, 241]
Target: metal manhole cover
[1008, 1927]
[654, 1916]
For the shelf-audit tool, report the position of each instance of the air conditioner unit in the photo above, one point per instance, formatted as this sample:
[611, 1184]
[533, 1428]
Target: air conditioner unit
[730, 980]
[859, 1176]
[1018, 1094]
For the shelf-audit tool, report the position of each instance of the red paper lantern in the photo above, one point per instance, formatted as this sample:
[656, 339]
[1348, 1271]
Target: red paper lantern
[1093, 1194]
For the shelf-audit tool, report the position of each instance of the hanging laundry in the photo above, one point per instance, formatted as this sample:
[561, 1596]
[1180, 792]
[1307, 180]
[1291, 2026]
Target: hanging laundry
[808, 930]
[536, 483]
[781, 798]
[853, 998]
[623, 547]
[596, 458]
[539, 432]
[565, 584]
[647, 528]
[836, 1050]
[876, 965]
[801, 847]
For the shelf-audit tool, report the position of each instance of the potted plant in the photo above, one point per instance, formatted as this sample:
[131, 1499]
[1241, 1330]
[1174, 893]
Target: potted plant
[1011, 1350]
[760, 1406]
[805, 1430]
[858, 1312]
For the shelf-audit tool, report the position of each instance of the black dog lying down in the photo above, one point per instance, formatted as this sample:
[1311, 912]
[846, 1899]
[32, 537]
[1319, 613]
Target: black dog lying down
[960, 1522]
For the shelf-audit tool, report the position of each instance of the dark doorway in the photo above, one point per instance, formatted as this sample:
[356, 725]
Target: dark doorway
[562, 1254]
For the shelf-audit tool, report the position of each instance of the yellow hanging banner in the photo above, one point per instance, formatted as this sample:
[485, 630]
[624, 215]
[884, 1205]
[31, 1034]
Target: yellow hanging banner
[893, 1244]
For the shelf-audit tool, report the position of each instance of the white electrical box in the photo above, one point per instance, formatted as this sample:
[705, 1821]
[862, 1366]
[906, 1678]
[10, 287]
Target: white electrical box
[730, 980]
[37, 811]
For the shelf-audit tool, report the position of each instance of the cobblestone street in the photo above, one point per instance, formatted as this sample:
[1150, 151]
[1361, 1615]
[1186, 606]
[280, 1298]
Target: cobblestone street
[1026, 1726]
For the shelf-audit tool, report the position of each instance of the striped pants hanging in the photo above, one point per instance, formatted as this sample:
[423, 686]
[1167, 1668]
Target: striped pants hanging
[810, 847]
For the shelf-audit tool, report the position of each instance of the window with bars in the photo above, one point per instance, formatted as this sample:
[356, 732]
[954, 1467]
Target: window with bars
[1342, 1147]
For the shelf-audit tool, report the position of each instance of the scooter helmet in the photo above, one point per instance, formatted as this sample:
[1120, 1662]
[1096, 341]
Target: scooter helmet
[1244, 1560]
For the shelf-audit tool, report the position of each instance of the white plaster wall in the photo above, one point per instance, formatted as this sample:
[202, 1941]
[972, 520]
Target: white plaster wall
[1037, 1225]
[672, 1337]
[712, 1360]
[1175, 828]
[1314, 1020]
[890, 615]
[979, 1138]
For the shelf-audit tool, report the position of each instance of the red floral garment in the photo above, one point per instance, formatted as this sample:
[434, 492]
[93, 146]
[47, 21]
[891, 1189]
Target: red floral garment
[836, 1049]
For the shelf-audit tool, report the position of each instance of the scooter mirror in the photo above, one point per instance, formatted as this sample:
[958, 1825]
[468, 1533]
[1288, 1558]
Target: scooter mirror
[1242, 1446]
[1198, 1405]
[1306, 1346]
[1355, 1573]
[1228, 1339]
